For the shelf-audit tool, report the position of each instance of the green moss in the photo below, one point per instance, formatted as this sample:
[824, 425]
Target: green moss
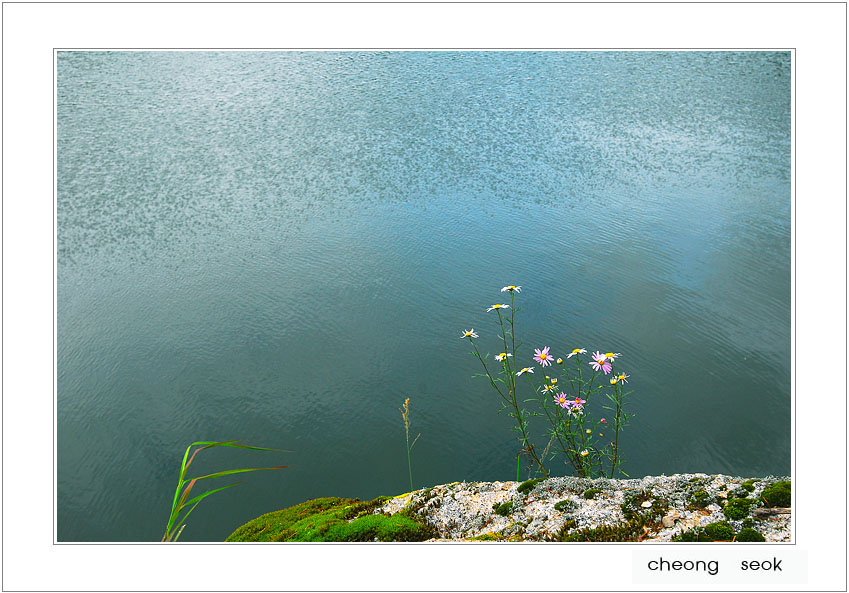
[487, 537]
[271, 526]
[749, 535]
[749, 485]
[504, 508]
[592, 492]
[720, 531]
[639, 521]
[777, 494]
[748, 522]
[700, 499]
[528, 485]
[738, 493]
[564, 506]
[634, 511]
[738, 508]
[605, 533]
[327, 519]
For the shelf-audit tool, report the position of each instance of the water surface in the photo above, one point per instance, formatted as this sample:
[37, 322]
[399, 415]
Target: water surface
[282, 246]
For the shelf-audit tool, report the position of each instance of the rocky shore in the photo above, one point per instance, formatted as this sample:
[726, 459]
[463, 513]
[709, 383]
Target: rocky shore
[681, 507]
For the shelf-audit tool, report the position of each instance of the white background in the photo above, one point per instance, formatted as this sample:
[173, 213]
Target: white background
[31, 561]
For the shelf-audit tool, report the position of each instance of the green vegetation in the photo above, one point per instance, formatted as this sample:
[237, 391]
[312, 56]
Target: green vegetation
[700, 499]
[749, 535]
[738, 493]
[327, 520]
[575, 431]
[749, 485]
[777, 494]
[634, 511]
[504, 508]
[592, 492]
[738, 508]
[528, 485]
[640, 521]
[179, 514]
[564, 506]
[720, 531]
[488, 537]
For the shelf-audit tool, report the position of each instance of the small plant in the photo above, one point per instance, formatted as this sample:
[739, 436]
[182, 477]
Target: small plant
[591, 493]
[405, 415]
[504, 508]
[777, 494]
[748, 534]
[738, 508]
[573, 431]
[700, 499]
[176, 522]
[527, 486]
[720, 531]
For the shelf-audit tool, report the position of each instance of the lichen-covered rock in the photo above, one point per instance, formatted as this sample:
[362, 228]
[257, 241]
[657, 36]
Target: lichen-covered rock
[661, 508]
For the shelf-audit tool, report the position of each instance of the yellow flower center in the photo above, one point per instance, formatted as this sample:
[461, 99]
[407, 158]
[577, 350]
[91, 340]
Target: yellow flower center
[543, 356]
[576, 351]
[621, 377]
[609, 355]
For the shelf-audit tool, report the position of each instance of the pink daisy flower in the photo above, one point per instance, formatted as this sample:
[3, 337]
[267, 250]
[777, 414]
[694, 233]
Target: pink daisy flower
[561, 400]
[600, 363]
[542, 356]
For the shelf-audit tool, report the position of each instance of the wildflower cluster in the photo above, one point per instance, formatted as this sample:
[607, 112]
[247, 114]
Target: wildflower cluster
[572, 432]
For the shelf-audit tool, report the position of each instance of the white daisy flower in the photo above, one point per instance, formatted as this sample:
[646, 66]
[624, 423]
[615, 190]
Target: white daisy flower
[502, 356]
[512, 288]
[498, 307]
[525, 370]
[576, 351]
[469, 334]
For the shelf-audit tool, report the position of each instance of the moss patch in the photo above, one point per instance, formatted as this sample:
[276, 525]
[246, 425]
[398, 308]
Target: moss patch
[528, 485]
[777, 494]
[750, 535]
[504, 508]
[330, 520]
[488, 537]
[738, 508]
[700, 499]
[639, 521]
[720, 531]
[592, 492]
[749, 485]
[564, 506]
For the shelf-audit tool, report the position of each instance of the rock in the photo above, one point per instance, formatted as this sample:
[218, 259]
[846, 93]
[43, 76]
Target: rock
[722, 494]
[646, 504]
[669, 520]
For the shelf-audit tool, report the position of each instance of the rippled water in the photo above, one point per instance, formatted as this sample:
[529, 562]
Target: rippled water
[282, 246]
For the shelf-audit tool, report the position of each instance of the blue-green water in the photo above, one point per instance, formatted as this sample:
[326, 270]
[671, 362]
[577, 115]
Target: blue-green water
[282, 246]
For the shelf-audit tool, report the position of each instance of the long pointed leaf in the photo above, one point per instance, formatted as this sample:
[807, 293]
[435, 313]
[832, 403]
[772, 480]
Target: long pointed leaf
[238, 471]
[197, 499]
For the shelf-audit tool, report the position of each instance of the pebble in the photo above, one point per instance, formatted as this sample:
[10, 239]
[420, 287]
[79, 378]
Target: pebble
[646, 504]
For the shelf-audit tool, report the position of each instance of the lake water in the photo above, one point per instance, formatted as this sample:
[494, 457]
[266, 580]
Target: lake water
[282, 246]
